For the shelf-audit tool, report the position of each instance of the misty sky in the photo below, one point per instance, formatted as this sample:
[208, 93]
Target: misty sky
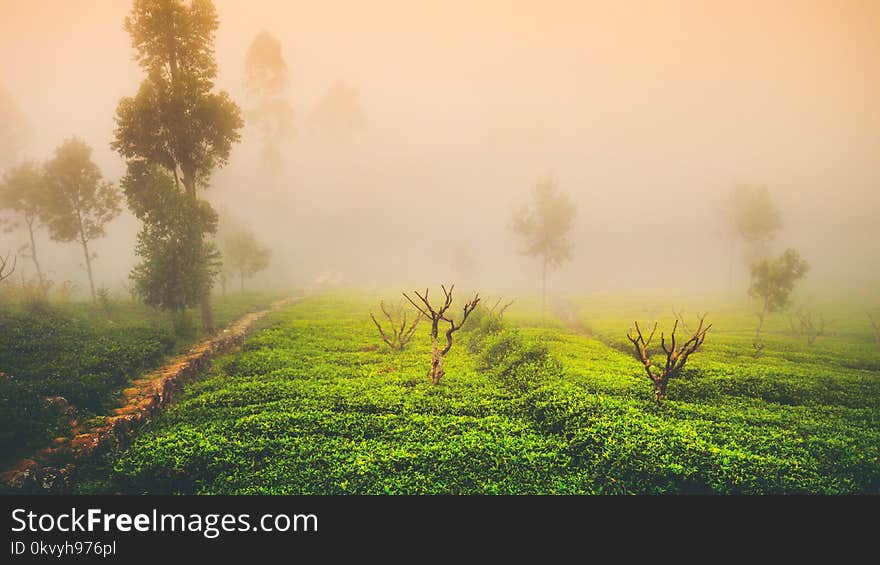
[646, 111]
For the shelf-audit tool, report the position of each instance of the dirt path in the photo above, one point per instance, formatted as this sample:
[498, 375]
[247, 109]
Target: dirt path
[51, 470]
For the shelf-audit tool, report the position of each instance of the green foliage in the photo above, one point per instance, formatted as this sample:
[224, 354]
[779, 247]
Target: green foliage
[521, 364]
[177, 265]
[243, 254]
[104, 300]
[481, 324]
[25, 418]
[85, 363]
[50, 353]
[773, 280]
[84, 354]
[306, 409]
[184, 327]
[79, 201]
[176, 122]
[24, 193]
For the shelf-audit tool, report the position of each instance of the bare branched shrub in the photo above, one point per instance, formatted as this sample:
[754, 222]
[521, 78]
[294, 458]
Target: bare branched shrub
[676, 355]
[436, 315]
[400, 332]
[679, 315]
[6, 269]
[808, 326]
[494, 310]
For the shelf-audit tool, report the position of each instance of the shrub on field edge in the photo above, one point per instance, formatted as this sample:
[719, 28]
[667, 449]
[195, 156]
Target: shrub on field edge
[479, 330]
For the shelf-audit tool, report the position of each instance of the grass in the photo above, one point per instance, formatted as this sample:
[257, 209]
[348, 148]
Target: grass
[315, 404]
[85, 353]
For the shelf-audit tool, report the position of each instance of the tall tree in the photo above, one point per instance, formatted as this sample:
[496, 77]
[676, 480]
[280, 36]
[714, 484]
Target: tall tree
[15, 130]
[243, 254]
[544, 224]
[24, 193]
[79, 201]
[266, 83]
[755, 219]
[175, 120]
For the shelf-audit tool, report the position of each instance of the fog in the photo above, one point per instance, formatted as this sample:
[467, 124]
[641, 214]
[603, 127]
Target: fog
[647, 112]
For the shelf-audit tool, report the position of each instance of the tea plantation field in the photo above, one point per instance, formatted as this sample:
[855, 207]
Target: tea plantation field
[316, 404]
[85, 353]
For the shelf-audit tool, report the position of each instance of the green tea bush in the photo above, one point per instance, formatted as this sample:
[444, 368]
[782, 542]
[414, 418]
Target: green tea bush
[478, 330]
[25, 418]
[303, 410]
[518, 363]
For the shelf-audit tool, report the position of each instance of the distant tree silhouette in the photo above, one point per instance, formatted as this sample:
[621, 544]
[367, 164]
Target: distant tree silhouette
[338, 113]
[243, 254]
[544, 224]
[755, 219]
[269, 111]
[24, 193]
[15, 130]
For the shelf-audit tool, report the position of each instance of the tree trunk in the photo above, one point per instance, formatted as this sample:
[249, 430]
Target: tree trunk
[437, 371]
[30, 225]
[85, 245]
[241, 278]
[189, 184]
[761, 316]
[758, 346]
[659, 391]
[207, 314]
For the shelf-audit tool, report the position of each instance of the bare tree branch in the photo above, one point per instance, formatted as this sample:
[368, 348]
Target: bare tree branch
[399, 334]
[499, 312]
[436, 316]
[676, 355]
[5, 269]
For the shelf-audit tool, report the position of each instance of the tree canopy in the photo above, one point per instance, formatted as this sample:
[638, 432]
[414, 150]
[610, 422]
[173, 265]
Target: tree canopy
[177, 267]
[243, 254]
[79, 201]
[773, 279]
[754, 215]
[544, 223]
[175, 120]
[23, 191]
